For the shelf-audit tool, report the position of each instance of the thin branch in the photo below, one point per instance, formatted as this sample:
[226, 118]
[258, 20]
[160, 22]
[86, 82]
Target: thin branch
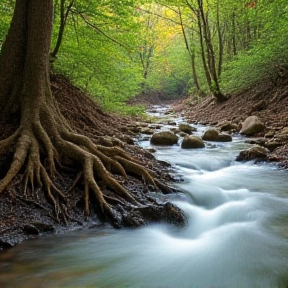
[98, 29]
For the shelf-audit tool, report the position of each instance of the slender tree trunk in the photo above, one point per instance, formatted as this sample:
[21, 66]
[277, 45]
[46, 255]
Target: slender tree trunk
[213, 77]
[220, 42]
[234, 34]
[63, 19]
[191, 53]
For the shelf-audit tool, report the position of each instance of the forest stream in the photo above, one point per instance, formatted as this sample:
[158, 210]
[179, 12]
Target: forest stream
[236, 235]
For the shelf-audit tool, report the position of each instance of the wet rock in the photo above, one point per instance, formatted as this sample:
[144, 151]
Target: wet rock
[224, 137]
[167, 212]
[166, 138]
[155, 126]
[183, 134]
[192, 142]
[211, 134]
[146, 131]
[227, 126]
[172, 123]
[184, 127]
[164, 163]
[151, 150]
[259, 141]
[254, 153]
[251, 126]
[30, 229]
[5, 245]
[272, 145]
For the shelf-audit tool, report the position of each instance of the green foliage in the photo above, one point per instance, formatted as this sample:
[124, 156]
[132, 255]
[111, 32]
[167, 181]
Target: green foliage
[267, 57]
[170, 71]
[97, 53]
[104, 41]
[6, 11]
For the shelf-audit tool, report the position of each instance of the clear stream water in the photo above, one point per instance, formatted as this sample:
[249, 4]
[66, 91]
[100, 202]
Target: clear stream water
[236, 236]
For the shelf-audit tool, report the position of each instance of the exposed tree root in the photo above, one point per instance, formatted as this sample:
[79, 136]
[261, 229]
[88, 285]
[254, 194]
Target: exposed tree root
[38, 150]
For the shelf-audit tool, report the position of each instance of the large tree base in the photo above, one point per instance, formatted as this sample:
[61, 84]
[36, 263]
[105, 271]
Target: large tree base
[69, 178]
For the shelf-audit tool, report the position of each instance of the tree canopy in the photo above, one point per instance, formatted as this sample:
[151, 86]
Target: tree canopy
[116, 50]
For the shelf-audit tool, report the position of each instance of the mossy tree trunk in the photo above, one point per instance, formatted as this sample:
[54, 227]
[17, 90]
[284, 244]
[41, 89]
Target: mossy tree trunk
[44, 137]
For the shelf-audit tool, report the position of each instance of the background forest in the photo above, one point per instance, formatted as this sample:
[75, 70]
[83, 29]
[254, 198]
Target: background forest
[118, 49]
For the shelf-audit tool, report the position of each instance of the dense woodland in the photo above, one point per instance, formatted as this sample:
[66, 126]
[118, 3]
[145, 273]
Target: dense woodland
[119, 49]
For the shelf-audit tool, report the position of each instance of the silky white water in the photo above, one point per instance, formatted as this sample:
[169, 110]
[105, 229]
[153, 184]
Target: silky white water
[236, 235]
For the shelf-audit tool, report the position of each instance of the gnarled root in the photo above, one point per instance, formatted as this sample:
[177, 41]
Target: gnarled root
[38, 151]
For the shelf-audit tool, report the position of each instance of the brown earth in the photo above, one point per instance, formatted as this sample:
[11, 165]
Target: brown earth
[267, 100]
[28, 217]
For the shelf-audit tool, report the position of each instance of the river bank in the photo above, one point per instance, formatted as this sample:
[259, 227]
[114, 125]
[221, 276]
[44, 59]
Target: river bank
[266, 99]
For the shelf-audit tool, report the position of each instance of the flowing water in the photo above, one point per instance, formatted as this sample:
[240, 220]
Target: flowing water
[236, 235]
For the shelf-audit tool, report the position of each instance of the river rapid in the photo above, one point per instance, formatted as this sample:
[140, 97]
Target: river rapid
[236, 235]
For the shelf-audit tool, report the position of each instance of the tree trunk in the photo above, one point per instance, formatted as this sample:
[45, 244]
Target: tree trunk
[210, 69]
[191, 53]
[44, 138]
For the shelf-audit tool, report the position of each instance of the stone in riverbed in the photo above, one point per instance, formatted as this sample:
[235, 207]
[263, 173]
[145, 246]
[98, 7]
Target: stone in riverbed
[165, 138]
[254, 153]
[184, 127]
[212, 134]
[251, 126]
[224, 137]
[190, 142]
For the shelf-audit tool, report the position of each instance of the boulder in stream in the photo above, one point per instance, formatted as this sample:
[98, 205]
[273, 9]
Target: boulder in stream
[253, 153]
[184, 127]
[190, 142]
[166, 138]
[212, 134]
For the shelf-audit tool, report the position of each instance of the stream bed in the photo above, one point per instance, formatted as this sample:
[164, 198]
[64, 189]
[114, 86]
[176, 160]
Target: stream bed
[236, 235]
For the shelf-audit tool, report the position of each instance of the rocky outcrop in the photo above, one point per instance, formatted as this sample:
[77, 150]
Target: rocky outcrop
[165, 138]
[251, 126]
[212, 134]
[191, 141]
[254, 153]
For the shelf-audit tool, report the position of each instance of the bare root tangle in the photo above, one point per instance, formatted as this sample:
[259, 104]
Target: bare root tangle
[38, 150]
